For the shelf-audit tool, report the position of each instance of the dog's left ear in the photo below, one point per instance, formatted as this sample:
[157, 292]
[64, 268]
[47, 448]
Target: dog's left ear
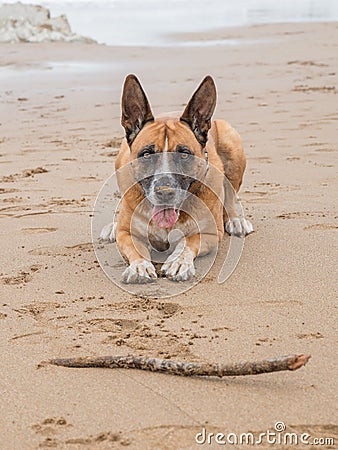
[200, 109]
[136, 110]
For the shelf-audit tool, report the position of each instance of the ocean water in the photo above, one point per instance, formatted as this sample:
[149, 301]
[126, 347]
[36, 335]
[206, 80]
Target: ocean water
[154, 22]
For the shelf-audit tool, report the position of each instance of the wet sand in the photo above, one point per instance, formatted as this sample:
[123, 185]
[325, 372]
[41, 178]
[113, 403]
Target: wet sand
[59, 133]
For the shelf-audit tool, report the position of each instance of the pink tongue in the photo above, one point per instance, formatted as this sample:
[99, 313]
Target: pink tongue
[164, 217]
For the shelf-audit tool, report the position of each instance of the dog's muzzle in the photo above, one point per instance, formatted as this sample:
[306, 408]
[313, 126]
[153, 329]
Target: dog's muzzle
[167, 180]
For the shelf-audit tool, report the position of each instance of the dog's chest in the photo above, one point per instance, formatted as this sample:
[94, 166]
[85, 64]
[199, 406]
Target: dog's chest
[158, 237]
[162, 238]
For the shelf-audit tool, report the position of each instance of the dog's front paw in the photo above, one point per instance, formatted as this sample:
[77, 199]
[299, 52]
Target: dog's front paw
[238, 227]
[140, 271]
[181, 267]
[108, 232]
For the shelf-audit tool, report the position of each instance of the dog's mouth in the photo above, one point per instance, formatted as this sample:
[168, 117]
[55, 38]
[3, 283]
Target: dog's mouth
[165, 216]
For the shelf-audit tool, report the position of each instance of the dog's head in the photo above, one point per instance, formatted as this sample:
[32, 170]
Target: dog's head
[167, 156]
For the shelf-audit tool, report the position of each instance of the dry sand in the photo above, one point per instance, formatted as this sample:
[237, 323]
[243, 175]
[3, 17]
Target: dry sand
[59, 112]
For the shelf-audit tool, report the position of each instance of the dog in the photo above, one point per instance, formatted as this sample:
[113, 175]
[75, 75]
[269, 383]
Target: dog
[178, 177]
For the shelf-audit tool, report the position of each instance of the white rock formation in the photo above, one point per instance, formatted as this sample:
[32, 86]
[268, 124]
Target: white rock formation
[32, 23]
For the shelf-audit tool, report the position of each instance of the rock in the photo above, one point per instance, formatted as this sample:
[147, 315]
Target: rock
[32, 23]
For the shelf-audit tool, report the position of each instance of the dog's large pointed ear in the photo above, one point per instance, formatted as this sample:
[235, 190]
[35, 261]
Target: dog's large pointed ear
[200, 109]
[136, 110]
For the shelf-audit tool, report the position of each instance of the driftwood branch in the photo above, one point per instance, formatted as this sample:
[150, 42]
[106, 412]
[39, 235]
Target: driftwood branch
[291, 362]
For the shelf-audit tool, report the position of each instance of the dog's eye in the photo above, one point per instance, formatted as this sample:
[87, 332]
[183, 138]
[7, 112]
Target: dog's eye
[146, 152]
[183, 151]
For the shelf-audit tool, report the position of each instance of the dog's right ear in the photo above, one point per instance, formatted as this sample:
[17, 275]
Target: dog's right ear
[136, 110]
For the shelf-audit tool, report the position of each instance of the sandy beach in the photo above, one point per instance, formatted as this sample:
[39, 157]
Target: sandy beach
[59, 134]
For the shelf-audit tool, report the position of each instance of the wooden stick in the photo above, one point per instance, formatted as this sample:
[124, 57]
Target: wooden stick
[291, 362]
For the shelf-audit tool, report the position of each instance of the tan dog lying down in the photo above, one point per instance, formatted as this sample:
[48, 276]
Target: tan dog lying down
[170, 173]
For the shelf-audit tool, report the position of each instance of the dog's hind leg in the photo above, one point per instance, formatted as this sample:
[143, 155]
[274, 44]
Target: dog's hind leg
[234, 220]
[230, 149]
[108, 232]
